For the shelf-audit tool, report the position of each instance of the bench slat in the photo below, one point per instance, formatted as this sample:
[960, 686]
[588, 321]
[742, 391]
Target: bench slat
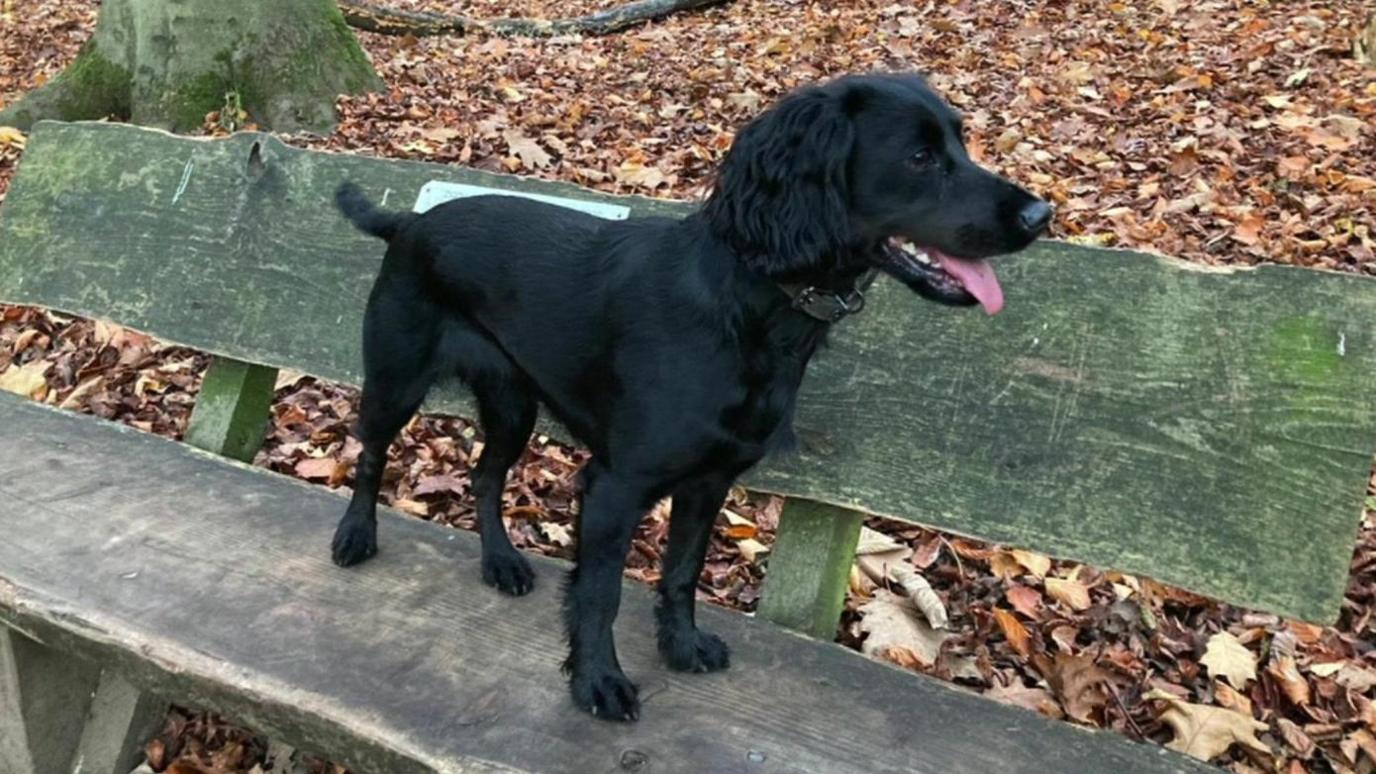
[207, 579]
[1214, 430]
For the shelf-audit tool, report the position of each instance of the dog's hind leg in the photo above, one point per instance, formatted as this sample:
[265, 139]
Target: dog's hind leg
[683, 646]
[506, 409]
[399, 340]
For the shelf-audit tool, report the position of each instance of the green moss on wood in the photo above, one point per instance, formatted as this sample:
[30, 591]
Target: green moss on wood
[94, 87]
[1306, 350]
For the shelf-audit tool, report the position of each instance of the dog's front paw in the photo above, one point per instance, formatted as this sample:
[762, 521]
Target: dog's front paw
[509, 572]
[606, 693]
[693, 650]
[354, 542]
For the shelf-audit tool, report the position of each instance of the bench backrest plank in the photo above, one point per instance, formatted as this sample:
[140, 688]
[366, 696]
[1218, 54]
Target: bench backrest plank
[1211, 429]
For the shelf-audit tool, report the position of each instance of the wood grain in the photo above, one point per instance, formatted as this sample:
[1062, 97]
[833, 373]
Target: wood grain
[211, 581]
[1214, 430]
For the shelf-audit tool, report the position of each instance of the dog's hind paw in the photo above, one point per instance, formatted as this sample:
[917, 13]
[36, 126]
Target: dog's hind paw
[608, 695]
[354, 542]
[510, 573]
[693, 650]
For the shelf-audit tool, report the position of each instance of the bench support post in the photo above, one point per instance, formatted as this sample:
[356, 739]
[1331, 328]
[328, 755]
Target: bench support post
[60, 714]
[121, 720]
[231, 412]
[809, 567]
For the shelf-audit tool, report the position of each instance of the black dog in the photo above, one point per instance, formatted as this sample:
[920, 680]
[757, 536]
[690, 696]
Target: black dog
[672, 348]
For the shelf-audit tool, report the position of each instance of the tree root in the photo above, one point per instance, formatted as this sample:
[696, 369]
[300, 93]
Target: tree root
[391, 21]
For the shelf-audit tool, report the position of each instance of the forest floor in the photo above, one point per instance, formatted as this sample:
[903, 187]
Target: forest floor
[1222, 132]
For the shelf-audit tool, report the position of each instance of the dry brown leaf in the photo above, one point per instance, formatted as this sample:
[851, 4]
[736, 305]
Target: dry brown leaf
[1027, 601]
[1357, 678]
[26, 380]
[1288, 677]
[318, 468]
[413, 507]
[1004, 566]
[1071, 593]
[9, 135]
[640, 175]
[751, 549]
[1206, 732]
[1019, 695]
[1226, 658]
[1228, 696]
[1013, 631]
[890, 621]
[530, 153]
[1035, 563]
[1082, 685]
[444, 483]
[556, 533]
[1294, 736]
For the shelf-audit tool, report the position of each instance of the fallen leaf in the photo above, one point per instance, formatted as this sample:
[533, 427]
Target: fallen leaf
[531, 155]
[1019, 695]
[1248, 230]
[637, 174]
[26, 380]
[556, 533]
[413, 507]
[1229, 697]
[1024, 600]
[1035, 563]
[1294, 736]
[10, 135]
[1206, 732]
[318, 468]
[1283, 669]
[1081, 684]
[751, 549]
[1226, 658]
[891, 621]
[1071, 593]
[1013, 631]
[439, 484]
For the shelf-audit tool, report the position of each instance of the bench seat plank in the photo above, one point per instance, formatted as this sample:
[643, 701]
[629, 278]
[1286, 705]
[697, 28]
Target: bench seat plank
[207, 579]
[1214, 430]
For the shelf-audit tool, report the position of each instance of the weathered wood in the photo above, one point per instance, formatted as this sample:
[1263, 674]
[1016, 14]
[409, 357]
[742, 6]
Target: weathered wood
[63, 715]
[120, 721]
[409, 663]
[44, 698]
[231, 411]
[809, 567]
[1213, 429]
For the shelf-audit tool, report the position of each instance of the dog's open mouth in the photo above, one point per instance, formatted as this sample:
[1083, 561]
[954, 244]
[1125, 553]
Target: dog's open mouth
[943, 277]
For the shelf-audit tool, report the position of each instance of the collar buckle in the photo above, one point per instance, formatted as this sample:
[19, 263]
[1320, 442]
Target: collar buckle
[831, 306]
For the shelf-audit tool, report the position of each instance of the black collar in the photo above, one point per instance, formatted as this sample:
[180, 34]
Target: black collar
[828, 305]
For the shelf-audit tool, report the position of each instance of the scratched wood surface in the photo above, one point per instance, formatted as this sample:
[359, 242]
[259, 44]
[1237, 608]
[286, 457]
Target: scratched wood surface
[410, 663]
[1211, 429]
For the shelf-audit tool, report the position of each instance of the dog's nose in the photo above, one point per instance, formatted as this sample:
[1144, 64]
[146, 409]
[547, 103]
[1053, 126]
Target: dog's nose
[1035, 216]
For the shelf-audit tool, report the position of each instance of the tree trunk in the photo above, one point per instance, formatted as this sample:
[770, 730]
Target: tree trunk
[168, 63]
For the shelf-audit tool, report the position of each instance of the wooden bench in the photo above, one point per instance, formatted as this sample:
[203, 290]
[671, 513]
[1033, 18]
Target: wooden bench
[1212, 429]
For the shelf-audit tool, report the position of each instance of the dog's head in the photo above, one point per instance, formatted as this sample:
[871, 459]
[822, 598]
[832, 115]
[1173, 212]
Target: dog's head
[871, 170]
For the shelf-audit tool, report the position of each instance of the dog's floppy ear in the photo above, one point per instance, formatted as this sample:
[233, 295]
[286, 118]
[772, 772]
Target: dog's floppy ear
[781, 196]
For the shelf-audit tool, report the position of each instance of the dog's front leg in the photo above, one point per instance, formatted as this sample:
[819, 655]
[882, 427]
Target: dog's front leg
[682, 645]
[611, 509]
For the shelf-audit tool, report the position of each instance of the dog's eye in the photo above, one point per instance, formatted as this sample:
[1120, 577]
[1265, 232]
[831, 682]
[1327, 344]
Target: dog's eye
[921, 158]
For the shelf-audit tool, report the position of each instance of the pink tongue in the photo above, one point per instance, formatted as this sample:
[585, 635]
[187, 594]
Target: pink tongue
[978, 279]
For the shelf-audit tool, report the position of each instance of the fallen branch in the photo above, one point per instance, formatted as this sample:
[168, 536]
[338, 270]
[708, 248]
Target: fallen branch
[392, 21]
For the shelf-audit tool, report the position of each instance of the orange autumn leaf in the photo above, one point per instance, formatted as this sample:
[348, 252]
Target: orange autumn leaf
[1013, 630]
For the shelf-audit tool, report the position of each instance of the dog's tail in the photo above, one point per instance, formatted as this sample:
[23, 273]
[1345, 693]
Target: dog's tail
[366, 217]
